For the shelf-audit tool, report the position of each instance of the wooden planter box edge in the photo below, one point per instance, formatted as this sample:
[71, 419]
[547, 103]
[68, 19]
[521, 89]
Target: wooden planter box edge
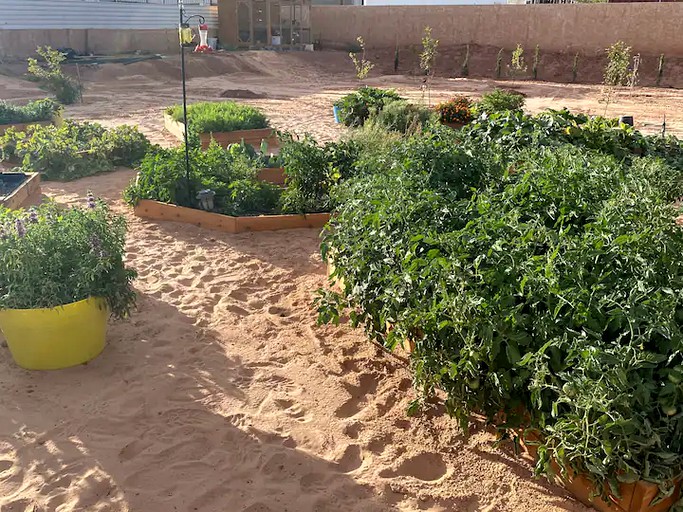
[635, 497]
[28, 194]
[155, 210]
[250, 137]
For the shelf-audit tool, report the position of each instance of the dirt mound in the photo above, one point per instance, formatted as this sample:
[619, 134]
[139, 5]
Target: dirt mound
[251, 63]
[242, 94]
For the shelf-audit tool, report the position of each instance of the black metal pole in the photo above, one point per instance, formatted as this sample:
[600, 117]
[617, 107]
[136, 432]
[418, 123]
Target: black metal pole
[182, 71]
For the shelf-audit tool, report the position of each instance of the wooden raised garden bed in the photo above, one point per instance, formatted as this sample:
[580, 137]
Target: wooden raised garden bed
[274, 175]
[155, 210]
[251, 137]
[19, 190]
[635, 497]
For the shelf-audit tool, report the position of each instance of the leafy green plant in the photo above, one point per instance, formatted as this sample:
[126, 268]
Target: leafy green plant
[34, 111]
[52, 78]
[500, 100]
[456, 110]
[465, 69]
[660, 69]
[73, 150]
[362, 65]
[312, 169]
[531, 260]
[124, 146]
[52, 256]
[356, 107]
[230, 173]
[222, 116]
[517, 65]
[402, 116]
[537, 60]
[617, 68]
[546, 295]
[428, 58]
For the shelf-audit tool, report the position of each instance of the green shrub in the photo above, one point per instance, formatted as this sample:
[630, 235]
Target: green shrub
[500, 100]
[124, 145]
[537, 279]
[514, 131]
[52, 256]
[401, 116]
[73, 150]
[355, 108]
[224, 116]
[311, 171]
[52, 78]
[40, 110]
[230, 173]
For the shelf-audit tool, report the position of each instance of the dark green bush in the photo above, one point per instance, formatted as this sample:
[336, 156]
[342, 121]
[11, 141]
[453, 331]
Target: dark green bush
[223, 116]
[311, 171]
[499, 100]
[228, 172]
[73, 150]
[356, 107]
[537, 279]
[40, 110]
[401, 116]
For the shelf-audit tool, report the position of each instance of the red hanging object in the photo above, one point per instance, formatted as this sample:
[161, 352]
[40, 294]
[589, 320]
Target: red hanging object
[203, 46]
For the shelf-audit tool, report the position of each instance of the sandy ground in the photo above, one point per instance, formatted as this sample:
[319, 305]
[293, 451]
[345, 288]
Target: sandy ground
[221, 393]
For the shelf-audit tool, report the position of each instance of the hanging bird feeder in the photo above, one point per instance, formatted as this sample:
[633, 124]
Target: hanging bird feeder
[185, 34]
[203, 46]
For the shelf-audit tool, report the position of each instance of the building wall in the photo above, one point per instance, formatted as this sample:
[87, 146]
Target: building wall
[650, 28]
[424, 3]
[98, 27]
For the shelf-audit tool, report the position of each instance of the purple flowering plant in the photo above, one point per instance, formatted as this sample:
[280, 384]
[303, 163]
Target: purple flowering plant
[52, 256]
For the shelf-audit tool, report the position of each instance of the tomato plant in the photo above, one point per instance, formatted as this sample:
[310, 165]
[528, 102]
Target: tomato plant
[535, 263]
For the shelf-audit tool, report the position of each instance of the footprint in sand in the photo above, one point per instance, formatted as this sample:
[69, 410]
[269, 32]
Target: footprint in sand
[257, 507]
[351, 460]
[283, 313]
[367, 385]
[293, 409]
[313, 482]
[428, 467]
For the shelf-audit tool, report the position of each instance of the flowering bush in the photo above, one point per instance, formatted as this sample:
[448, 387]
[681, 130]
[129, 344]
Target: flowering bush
[456, 110]
[52, 256]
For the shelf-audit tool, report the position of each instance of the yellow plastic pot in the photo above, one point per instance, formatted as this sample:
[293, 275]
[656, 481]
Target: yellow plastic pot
[50, 339]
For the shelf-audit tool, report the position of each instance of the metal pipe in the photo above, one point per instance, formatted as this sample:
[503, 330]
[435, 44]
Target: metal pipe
[184, 22]
[182, 71]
